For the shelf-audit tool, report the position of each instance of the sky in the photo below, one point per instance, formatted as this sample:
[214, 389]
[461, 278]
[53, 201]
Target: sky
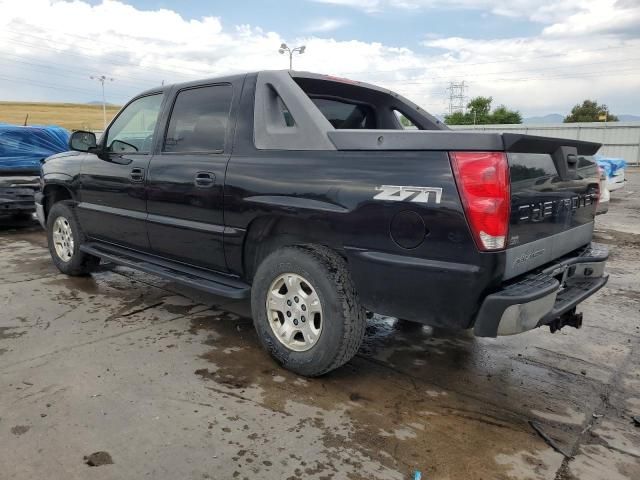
[536, 56]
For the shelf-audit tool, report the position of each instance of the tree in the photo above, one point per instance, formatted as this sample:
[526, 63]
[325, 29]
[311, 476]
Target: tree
[479, 109]
[456, 118]
[503, 115]
[589, 111]
[479, 113]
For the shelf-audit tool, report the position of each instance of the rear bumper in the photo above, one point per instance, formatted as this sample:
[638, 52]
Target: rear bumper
[540, 298]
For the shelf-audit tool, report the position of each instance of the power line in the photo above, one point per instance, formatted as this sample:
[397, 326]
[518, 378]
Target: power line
[72, 73]
[108, 59]
[28, 81]
[556, 68]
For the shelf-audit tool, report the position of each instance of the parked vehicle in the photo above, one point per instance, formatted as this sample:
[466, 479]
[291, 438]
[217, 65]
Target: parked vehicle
[306, 193]
[22, 150]
[614, 170]
[605, 195]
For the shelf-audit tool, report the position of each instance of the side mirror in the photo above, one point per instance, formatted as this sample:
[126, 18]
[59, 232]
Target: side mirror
[82, 141]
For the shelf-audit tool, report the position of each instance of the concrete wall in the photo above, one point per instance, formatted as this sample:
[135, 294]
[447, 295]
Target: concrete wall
[619, 139]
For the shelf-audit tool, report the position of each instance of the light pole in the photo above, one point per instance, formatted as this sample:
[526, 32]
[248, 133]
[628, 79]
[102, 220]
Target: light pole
[102, 79]
[285, 49]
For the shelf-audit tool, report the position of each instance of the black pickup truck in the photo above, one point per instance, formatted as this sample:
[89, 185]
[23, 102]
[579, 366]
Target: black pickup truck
[309, 194]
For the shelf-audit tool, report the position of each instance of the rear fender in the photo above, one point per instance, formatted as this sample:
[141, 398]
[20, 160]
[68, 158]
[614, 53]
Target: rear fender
[266, 234]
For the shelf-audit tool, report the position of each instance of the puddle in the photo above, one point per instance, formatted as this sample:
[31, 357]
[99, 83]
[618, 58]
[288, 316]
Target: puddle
[387, 416]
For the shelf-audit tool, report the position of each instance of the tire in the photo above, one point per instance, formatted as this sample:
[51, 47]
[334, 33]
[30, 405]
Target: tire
[338, 328]
[74, 263]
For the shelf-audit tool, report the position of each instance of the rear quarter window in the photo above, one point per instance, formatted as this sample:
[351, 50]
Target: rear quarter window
[346, 115]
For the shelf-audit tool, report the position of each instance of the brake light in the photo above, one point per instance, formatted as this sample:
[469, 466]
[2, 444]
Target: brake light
[483, 183]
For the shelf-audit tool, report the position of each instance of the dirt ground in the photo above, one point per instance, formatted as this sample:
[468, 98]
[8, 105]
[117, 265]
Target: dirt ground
[147, 379]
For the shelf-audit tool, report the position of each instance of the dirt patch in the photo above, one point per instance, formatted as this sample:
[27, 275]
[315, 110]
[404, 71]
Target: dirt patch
[614, 237]
[97, 459]
[7, 332]
[20, 429]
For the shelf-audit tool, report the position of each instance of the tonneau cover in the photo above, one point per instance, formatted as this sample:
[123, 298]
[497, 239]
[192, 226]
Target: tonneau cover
[448, 140]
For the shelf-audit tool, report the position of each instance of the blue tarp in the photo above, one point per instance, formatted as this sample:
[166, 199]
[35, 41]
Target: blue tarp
[610, 165]
[22, 148]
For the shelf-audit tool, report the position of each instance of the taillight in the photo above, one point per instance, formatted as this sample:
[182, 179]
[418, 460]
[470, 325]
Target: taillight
[483, 183]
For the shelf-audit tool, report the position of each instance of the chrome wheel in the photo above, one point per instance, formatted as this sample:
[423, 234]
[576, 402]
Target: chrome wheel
[63, 239]
[294, 312]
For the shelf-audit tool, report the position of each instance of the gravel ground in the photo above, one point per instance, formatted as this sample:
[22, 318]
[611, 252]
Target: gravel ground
[123, 375]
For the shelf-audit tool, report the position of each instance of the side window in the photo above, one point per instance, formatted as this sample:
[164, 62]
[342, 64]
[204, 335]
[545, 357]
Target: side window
[346, 115]
[199, 120]
[288, 118]
[404, 121]
[132, 131]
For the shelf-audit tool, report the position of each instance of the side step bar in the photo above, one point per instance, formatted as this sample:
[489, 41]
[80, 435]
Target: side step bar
[216, 283]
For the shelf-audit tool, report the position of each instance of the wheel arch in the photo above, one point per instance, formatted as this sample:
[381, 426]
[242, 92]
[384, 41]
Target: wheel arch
[53, 193]
[268, 233]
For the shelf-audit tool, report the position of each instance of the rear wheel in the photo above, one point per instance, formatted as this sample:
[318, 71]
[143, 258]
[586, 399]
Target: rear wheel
[65, 238]
[306, 310]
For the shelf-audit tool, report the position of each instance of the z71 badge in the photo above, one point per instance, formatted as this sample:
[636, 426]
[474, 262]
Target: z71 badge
[400, 193]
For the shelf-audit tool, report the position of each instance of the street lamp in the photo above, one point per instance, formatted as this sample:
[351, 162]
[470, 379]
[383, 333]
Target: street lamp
[102, 79]
[285, 49]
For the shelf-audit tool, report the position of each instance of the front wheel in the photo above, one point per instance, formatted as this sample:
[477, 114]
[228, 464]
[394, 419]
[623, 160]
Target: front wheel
[65, 237]
[306, 310]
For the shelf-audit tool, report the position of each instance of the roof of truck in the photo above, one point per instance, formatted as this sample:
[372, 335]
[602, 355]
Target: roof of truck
[293, 73]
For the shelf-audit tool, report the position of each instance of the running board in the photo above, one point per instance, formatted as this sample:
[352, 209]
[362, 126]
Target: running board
[216, 283]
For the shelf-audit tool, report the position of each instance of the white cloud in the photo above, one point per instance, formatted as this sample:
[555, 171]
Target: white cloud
[602, 16]
[324, 25]
[543, 11]
[49, 48]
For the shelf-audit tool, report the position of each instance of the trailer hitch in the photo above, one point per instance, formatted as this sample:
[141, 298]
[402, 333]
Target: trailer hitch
[570, 318]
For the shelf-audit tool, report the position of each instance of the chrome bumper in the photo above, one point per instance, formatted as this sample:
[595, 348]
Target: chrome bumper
[544, 296]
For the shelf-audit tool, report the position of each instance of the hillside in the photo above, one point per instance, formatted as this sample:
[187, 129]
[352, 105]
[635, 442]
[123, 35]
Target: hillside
[73, 116]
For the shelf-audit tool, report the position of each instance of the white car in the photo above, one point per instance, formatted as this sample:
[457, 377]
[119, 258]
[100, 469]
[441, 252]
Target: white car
[605, 194]
[616, 181]
[614, 169]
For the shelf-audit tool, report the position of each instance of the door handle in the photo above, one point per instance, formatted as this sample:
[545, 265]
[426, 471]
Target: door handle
[137, 174]
[204, 179]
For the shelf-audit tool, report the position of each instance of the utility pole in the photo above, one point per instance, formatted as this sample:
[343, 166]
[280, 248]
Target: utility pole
[285, 49]
[102, 79]
[457, 96]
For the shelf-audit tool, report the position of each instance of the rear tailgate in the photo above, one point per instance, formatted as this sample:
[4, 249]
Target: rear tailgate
[554, 194]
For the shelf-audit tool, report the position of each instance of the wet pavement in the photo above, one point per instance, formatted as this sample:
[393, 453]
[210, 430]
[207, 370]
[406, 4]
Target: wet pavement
[171, 383]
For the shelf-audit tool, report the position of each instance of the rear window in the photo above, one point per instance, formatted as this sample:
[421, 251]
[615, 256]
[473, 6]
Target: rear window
[530, 166]
[350, 105]
[346, 115]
